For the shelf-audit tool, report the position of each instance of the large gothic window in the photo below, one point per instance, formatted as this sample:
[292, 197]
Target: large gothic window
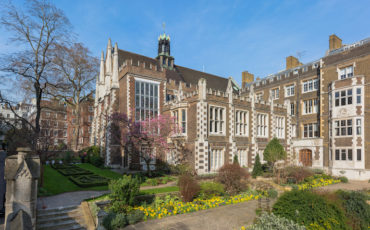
[146, 100]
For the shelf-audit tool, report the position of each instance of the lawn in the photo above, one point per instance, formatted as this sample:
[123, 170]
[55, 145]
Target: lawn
[56, 183]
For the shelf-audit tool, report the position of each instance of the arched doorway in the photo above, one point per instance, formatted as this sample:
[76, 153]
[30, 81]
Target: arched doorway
[305, 157]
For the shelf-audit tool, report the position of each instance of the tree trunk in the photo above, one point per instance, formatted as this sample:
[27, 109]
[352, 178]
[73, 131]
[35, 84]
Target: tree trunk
[77, 126]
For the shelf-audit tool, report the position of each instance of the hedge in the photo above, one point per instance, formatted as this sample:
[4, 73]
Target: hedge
[89, 180]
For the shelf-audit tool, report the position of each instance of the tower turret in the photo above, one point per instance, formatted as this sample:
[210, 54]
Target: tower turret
[164, 52]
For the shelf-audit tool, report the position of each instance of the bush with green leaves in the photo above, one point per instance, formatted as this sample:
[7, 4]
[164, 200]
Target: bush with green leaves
[356, 207]
[274, 152]
[257, 168]
[135, 216]
[272, 193]
[209, 189]
[123, 191]
[310, 209]
[343, 179]
[235, 160]
[296, 174]
[269, 221]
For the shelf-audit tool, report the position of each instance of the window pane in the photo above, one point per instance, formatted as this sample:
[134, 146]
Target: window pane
[343, 155]
[337, 154]
[358, 154]
[349, 154]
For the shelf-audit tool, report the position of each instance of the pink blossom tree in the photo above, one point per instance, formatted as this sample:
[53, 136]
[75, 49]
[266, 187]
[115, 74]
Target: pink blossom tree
[145, 140]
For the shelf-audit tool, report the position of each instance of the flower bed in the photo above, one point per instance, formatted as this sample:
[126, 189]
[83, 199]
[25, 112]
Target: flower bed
[175, 207]
[317, 182]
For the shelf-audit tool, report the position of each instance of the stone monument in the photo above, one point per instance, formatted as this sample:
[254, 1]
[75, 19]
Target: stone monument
[22, 172]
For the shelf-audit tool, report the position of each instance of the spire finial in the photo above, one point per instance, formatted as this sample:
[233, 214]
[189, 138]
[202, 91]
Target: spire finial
[164, 27]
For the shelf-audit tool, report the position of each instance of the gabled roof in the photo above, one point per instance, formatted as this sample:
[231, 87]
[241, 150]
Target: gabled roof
[124, 55]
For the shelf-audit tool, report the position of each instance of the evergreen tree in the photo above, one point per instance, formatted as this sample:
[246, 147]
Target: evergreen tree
[235, 160]
[257, 168]
[274, 152]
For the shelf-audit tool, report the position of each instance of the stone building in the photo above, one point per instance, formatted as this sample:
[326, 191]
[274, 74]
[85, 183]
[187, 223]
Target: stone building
[327, 100]
[218, 121]
[317, 110]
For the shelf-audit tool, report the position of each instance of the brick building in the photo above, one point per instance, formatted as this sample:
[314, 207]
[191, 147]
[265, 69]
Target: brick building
[317, 110]
[57, 123]
[217, 120]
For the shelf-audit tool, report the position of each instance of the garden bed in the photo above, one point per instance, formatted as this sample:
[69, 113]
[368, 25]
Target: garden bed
[89, 180]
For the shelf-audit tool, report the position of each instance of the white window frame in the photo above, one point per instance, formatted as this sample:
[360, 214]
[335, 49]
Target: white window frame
[275, 93]
[147, 92]
[343, 97]
[289, 90]
[312, 128]
[345, 72]
[241, 122]
[310, 85]
[280, 127]
[242, 157]
[262, 125]
[358, 126]
[344, 154]
[310, 106]
[216, 159]
[343, 127]
[292, 109]
[216, 124]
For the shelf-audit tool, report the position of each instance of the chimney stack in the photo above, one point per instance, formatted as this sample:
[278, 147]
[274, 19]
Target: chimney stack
[334, 42]
[292, 62]
[247, 78]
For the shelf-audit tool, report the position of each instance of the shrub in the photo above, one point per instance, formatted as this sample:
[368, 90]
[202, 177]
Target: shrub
[90, 180]
[68, 157]
[274, 152]
[123, 191]
[107, 221]
[272, 193]
[135, 216]
[318, 171]
[235, 160]
[257, 168]
[295, 174]
[307, 208]
[270, 221]
[209, 189]
[231, 176]
[119, 221]
[356, 208]
[189, 187]
[181, 169]
[343, 179]
[97, 161]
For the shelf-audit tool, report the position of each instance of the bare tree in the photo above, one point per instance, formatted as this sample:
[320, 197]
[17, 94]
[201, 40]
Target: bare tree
[37, 28]
[76, 71]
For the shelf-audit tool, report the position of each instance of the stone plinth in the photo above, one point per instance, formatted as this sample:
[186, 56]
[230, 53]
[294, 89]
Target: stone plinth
[22, 172]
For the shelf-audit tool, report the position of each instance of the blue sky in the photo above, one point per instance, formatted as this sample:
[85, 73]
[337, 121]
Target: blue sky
[226, 37]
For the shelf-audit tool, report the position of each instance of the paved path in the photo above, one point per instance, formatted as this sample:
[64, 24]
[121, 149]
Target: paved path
[351, 185]
[222, 218]
[66, 199]
[75, 198]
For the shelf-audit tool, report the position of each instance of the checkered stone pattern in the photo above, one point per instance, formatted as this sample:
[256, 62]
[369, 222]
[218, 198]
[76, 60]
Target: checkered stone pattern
[232, 143]
[289, 138]
[254, 148]
[128, 96]
[201, 145]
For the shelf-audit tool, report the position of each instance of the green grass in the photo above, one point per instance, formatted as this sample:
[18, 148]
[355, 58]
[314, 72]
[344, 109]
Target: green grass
[55, 183]
[159, 190]
[101, 172]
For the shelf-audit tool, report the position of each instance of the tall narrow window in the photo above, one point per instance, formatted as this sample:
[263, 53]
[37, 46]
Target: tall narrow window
[146, 100]
[183, 120]
[292, 111]
[358, 97]
[359, 154]
[262, 124]
[280, 127]
[216, 120]
[216, 159]
[241, 123]
[358, 126]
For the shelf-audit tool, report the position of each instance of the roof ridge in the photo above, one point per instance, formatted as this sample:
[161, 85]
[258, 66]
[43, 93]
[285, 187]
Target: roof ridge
[201, 72]
[137, 54]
